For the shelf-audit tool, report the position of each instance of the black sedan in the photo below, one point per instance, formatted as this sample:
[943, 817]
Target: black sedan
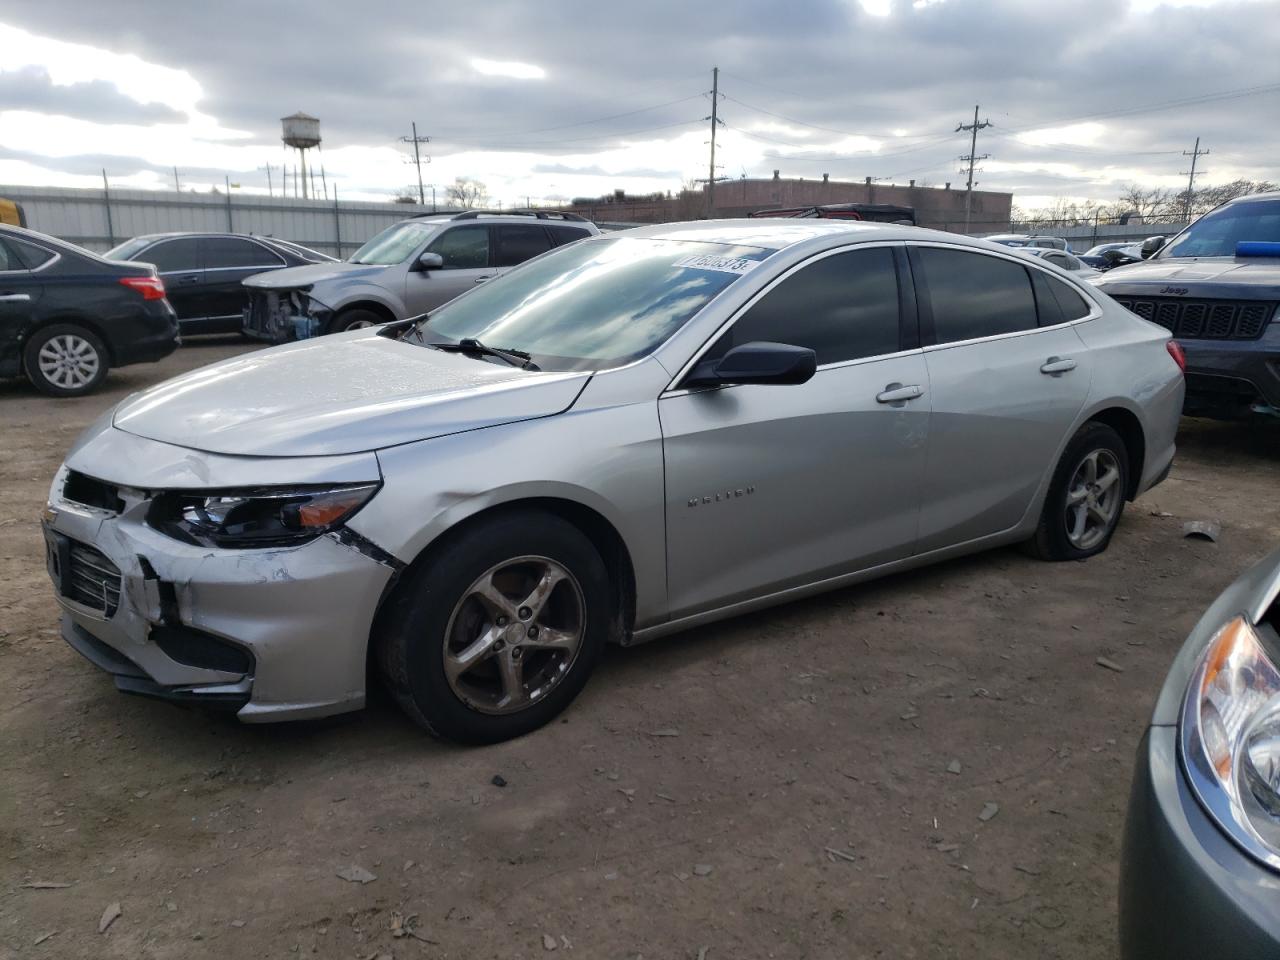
[67, 315]
[203, 271]
[1200, 875]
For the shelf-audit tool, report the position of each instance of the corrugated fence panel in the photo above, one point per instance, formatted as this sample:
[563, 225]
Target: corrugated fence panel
[99, 219]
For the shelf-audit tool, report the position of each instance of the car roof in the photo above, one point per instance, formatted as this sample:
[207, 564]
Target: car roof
[1272, 195]
[781, 232]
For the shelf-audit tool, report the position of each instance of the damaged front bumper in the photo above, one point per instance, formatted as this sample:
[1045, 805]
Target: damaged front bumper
[280, 316]
[272, 634]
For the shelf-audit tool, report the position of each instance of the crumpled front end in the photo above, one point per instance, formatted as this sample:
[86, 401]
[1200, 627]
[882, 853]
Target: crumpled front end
[273, 633]
[280, 316]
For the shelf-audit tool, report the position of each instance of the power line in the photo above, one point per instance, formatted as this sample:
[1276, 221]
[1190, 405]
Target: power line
[972, 158]
[612, 116]
[539, 143]
[816, 126]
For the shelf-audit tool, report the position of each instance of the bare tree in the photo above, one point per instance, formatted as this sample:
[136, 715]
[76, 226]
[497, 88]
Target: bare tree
[1146, 201]
[467, 193]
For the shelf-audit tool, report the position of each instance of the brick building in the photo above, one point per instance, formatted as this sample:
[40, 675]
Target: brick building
[940, 207]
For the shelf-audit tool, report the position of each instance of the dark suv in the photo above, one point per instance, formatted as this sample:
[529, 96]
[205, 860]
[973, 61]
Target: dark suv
[1216, 286]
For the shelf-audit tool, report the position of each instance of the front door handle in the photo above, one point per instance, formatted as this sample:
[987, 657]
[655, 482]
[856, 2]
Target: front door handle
[897, 393]
[482, 279]
[190, 278]
[14, 297]
[1057, 365]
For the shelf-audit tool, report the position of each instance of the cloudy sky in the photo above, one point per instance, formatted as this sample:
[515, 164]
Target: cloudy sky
[550, 99]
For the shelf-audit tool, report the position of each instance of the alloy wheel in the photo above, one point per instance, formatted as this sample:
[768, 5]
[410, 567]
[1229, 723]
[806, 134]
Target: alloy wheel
[68, 361]
[514, 635]
[1094, 498]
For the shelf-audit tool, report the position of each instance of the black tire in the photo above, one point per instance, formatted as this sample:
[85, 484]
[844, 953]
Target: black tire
[75, 343]
[411, 637]
[354, 319]
[1052, 540]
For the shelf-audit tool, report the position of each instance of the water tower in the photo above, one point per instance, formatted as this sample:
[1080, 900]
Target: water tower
[301, 132]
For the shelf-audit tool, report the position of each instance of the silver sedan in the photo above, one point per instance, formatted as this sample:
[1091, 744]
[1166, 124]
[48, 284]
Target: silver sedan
[620, 439]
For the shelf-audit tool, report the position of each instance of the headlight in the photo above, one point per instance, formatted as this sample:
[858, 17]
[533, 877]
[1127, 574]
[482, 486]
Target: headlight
[256, 518]
[1231, 738]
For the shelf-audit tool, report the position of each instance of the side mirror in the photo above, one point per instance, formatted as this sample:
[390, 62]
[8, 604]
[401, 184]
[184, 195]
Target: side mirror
[1151, 246]
[429, 261]
[757, 362]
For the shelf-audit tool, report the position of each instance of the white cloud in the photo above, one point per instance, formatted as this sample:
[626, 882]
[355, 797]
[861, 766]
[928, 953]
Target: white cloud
[1075, 134]
[508, 68]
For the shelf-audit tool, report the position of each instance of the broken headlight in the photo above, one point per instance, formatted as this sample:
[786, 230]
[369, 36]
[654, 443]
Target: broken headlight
[264, 517]
[1231, 738]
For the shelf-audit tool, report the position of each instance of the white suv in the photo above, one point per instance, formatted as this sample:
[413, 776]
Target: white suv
[408, 269]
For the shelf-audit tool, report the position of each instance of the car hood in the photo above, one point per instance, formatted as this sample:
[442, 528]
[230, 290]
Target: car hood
[340, 394]
[1250, 277]
[293, 277]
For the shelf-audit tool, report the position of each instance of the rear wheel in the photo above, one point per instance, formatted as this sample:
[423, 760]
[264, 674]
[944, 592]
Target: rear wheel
[65, 360]
[1086, 496]
[495, 638]
[354, 319]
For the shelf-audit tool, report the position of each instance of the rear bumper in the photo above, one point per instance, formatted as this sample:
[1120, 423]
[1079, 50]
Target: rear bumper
[1186, 891]
[156, 336]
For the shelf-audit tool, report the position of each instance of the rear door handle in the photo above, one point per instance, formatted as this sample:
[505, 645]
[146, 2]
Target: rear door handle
[190, 278]
[482, 279]
[897, 393]
[14, 297]
[1057, 365]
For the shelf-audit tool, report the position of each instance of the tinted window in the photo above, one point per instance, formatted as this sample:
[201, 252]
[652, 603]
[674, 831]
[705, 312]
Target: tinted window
[843, 307]
[171, 256]
[9, 259]
[28, 254]
[516, 244]
[462, 248]
[1056, 301]
[973, 295]
[234, 252]
[563, 235]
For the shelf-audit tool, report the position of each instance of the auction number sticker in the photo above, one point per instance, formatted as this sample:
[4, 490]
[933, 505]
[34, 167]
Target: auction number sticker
[722, 264]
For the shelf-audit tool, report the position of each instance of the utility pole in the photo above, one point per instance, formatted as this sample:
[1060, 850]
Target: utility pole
[711, 172]
[972, 158]
[417, 161]
[1195, 154]
[270, 192]
[176, 185]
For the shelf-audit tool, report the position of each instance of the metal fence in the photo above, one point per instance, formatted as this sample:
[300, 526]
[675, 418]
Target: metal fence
[1082, 234]
[99, 219]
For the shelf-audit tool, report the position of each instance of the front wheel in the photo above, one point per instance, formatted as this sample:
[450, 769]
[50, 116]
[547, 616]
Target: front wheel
[354, 319]
[495, 637]
[1086, 496]
[65, 360]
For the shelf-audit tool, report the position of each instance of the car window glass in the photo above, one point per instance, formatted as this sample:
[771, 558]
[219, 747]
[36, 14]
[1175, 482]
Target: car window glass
[1070, 303]
[9, 259]
[235, 252]
[28, 254]
[172, 256]
[973, 295]
[462, 248]
[843, 307]
[520, 242]
[562, 235]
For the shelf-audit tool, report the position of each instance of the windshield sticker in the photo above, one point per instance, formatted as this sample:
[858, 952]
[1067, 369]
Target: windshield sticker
[721, 264]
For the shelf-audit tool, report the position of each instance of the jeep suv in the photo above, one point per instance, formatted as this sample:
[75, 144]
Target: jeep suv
[1216, 286]
[408, 269]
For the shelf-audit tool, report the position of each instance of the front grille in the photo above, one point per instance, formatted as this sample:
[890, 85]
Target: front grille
[1204, 319]
[90, 578]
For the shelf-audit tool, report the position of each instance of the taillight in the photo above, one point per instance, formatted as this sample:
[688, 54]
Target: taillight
[1176, 351]
[151, 288]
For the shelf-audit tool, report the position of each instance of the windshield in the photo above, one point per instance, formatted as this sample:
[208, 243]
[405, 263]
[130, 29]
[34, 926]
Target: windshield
[1217, 232]
[394, 244]
[595, 304]
[127, 250]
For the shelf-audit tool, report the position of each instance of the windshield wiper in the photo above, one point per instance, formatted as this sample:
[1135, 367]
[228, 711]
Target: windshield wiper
[517, 358]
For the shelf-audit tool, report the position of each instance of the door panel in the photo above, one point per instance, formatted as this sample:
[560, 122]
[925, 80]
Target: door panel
[179, 265]
[466, 251]
[770, 487]
[228, 261]
[997, 424]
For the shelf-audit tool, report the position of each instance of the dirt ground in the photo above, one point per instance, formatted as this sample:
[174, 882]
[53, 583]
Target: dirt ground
[773, 786]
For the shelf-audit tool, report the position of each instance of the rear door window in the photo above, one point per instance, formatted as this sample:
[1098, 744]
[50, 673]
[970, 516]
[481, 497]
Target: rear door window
[562, 235]
[463, 248]
[172, 256]
[972, 295]
[520, 242]
[234, 252]
[1056, 302]
[9, 260]
[843, 307]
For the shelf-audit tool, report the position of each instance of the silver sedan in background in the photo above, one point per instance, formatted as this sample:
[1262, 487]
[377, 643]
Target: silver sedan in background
[622, 438]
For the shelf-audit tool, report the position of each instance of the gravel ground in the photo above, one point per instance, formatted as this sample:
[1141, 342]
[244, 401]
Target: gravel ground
[806, 782]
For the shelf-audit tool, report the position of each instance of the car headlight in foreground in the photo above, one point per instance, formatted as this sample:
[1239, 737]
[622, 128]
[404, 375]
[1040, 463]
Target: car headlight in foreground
[1230, 738]
[269, 517]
